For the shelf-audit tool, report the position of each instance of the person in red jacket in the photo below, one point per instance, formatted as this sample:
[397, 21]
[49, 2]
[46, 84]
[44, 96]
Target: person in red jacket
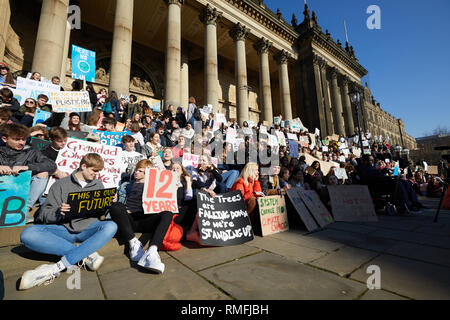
[249, 185]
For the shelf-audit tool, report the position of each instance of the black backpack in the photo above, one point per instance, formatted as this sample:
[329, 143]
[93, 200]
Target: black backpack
[197, 115]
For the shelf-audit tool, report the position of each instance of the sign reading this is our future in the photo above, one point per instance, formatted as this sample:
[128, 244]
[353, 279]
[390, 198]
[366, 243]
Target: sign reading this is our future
[83, 64]
[90, 203]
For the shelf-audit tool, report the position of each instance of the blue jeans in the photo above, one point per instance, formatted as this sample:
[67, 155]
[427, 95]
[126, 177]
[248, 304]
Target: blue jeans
[229, 178]
[57, 240]
[37, 188]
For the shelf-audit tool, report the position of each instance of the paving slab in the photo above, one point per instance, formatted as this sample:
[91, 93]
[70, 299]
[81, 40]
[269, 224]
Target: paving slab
[176, 283]
[308, 240]
[354, 227]
[344, 260]
[357, 240]
[419, 238]
[287, 249]
[198, 258]
[380, 295]
[434, 230]
[10, 236]
[410, 278]
[421, 252]
[267, 276]
[90, 289]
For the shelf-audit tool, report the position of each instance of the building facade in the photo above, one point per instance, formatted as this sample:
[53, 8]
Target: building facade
[237, 55]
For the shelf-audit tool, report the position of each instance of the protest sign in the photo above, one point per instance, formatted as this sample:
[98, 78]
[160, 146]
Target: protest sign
[157, 162]
[154, 104]
[324, 148]
[263, 129]
[237, 144]
[26, 88]
[120, 126]
[111, 138]
[14, 191]
[231, 135]
[334, 137]
[130, 159]
[273, 215]
[193, 160]
[292, 136]
[317, 132]
[316, 207]
[160, 191]
[352, 203]
[365, 143]
[89, 203]
[277, 120]
[346, 152]
[70, 156]
[313, 138]
[296, 199]
[341, 159]
[39, 144]
[77, 134]
[70, 101]
[281, 138]
[297, 125]
[247, 131]
[40, 116]
[223, 220]
[83, 64]
[340, 173]
[293, 149]
[433, 170]
[304, 141]
[208, 109]
[273, 141]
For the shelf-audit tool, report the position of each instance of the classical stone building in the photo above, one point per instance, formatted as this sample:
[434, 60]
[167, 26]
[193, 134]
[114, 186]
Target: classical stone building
[236, 55]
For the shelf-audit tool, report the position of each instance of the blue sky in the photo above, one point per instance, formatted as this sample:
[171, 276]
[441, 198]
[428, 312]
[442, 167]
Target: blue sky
[408, 59]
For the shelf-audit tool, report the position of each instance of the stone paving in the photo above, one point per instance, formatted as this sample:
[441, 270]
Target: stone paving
[412, 252]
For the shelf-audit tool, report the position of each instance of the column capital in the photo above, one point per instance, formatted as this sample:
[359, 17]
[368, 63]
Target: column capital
[263, 46]
[210, 15]
[334, 72]
[177, 2]
[316, 59]
[345, 80]
[282, 57]
[239, 32]
[323, 63]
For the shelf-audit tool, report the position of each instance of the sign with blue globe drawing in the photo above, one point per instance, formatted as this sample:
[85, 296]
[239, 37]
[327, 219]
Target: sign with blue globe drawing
[83, 64]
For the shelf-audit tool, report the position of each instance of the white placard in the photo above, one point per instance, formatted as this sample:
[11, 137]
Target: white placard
[160, 191]
[70, 101]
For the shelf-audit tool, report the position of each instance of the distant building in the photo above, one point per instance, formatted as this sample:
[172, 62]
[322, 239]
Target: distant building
[425, 148]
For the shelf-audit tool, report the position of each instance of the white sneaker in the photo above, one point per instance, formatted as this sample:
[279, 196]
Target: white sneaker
[136, 251]
[151, 261]
[45, 273]
[92, 261]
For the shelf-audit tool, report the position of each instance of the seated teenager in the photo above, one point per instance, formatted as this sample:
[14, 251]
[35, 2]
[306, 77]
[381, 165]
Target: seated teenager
[14, 158]
[205, 177]
[129, 215]
[60, 230]
[298, 180]
[72, 122]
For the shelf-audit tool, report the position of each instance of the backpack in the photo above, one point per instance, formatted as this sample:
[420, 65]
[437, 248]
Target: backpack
[173, 237]
[107, 108]
[197, 115]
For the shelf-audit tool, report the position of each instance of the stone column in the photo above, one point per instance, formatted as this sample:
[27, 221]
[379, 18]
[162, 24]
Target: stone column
[184, 85]
[210, 17]
[119, 79]
[262, 47]
[48, 51]
[5, 15]
[173, 54]
[348, 113]
[326, 96]
[337, 104]
[62, 75]
[285, 91]
[239, 33]
[320, 113]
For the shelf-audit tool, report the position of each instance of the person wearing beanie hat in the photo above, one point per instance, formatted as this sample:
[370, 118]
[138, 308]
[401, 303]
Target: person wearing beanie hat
[72, 122]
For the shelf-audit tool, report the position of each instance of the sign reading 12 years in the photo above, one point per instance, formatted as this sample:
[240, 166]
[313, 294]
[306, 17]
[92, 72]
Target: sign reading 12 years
[160, 191]
[223, 220]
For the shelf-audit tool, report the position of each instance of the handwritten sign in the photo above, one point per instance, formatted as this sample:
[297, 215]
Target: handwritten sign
[89, 203]
[39, 144]
[316, 207]
[111, 138]
[433, 170]
[293, 149]
[83, 64]
[27, 88]
[192, 160]
[14, 191]
[352, 203]
[292, 136]
[281, 138]
[340, 173]
[130, 159]
[223, 220]
[273, 215]
[160, 191]
[40, 116]
[294, 196]
[70, 156]
[304, 141]
[70, 101]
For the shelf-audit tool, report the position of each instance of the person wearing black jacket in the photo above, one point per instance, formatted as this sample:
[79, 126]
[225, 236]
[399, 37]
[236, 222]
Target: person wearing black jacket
[8, 101]
[180, 117]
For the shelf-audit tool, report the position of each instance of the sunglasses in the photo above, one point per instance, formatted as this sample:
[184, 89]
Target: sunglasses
[29, 102]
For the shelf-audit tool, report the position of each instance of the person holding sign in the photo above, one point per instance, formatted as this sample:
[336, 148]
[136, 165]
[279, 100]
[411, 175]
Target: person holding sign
[206, 176]
[59, 234]
[129, 215]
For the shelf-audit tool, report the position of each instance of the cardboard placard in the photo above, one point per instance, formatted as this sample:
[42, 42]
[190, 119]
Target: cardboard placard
[304, 141]
[77, 134]
[340, 173]
[273, 141]
[293, 149]
[281, 138]
[130, 159]
[39, 144]
[111, 138]
[72, 101]
[273, 215]
[27, 88]
[352, 203]
[316, 207]
[296, 199]
[292, 136]
[89, 203]
[192, 160]
[433, 170]
[223, 220]
[70, 156]
[14, 191]
[40, 116]
[83, 64]
[160, 191]
[247, 131]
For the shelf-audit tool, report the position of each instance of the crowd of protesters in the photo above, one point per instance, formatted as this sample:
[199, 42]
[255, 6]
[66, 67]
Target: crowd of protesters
[169, 135]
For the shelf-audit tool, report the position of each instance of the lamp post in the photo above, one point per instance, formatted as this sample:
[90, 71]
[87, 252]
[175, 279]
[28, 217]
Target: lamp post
[355, 99]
